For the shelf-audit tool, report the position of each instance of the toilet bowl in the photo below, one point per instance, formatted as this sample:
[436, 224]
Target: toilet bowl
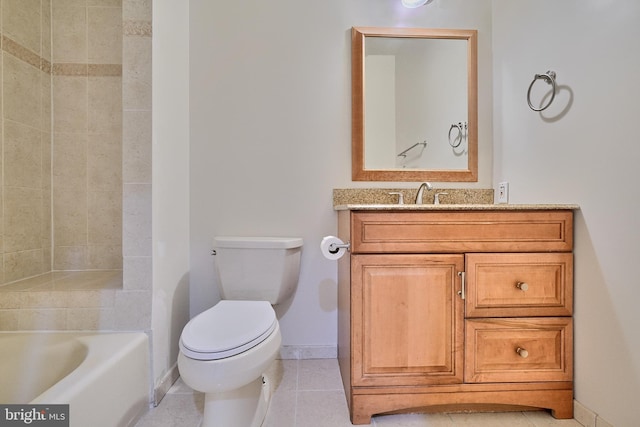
[225, 350]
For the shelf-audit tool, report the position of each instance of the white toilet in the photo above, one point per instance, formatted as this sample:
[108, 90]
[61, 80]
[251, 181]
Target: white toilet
[225, 350]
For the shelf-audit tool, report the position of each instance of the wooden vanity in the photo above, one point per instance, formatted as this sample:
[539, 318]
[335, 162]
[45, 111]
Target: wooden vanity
[451, 309]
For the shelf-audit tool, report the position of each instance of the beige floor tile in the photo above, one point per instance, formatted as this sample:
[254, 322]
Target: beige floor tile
[319, 374]
[308, 393]
[322, 409]
[283, 375]
[544, 419]
[282, 409]
[413, 420]
[175, 410]
[497, 419]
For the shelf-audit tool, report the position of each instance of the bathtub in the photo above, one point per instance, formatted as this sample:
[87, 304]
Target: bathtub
[104, 377]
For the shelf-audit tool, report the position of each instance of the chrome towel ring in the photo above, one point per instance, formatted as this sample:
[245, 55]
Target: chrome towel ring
[455, 142]
[550, 78]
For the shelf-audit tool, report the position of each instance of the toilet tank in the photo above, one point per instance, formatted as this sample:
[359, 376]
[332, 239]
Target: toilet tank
[258, 268]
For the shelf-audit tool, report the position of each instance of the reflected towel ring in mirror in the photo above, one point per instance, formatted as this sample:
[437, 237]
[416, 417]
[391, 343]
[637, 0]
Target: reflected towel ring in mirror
[412, 4]
[550, 78]
[455, 142]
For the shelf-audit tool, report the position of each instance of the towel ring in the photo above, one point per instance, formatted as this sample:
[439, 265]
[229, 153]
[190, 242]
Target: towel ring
[459, 136]
[550, 78]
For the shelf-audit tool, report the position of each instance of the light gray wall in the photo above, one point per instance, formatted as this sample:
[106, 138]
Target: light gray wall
[584, 149]
[270, 138]
[170, 183]
[270, 131]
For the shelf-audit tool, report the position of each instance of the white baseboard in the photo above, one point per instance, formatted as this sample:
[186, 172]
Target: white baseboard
[587, 417]
[308, 352]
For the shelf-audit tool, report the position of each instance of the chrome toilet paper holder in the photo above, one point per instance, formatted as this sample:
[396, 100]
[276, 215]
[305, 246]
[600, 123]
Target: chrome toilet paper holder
[334, 248]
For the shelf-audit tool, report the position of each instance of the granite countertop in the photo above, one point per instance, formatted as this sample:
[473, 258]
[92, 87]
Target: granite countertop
[455, 207]
[452, 199]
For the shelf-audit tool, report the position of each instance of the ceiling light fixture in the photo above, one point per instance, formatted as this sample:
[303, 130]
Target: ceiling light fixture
[415, 3]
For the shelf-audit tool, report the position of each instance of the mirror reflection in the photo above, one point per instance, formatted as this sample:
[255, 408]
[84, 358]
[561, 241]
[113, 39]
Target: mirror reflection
[414, 104]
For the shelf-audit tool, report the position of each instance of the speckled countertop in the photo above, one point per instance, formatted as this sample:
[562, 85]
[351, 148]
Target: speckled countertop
[379, 199]
[455, 207]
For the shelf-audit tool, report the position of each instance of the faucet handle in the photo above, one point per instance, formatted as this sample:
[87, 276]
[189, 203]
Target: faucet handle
[436, 198]
[400, 196]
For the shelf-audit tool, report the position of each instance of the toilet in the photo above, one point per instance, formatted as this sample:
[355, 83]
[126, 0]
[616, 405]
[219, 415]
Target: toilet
[225, 350]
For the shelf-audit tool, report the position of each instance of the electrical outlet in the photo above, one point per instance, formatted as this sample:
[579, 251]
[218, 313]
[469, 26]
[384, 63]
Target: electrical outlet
[503, 192]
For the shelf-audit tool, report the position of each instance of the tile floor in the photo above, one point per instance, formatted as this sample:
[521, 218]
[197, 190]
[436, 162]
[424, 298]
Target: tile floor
[308, 393]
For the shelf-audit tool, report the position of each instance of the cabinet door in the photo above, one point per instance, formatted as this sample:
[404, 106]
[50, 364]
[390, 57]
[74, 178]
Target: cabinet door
[407, 319]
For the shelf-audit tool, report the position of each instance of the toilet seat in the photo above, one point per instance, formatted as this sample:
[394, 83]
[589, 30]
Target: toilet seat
[227, 329]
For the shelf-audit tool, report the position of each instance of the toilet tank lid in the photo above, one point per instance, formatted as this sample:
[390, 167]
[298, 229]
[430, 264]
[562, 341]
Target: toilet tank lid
[257, 242]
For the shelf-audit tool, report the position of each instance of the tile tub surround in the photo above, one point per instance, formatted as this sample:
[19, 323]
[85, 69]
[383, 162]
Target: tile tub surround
[62, 134]
[362, 196]
[112, 151]
[309, 393]
[76, 300]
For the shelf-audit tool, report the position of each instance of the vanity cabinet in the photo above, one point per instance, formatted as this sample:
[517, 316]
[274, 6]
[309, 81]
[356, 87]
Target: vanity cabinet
[456, 310]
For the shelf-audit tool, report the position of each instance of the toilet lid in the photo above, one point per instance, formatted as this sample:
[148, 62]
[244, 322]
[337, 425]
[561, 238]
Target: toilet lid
[228, 328]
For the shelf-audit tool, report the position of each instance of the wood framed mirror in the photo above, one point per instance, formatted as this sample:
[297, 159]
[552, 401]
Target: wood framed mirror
[414, 106]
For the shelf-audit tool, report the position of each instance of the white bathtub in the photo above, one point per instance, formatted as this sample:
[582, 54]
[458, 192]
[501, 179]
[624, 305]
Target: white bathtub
[104, 377]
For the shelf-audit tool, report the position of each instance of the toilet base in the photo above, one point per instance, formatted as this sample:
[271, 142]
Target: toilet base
[243, 407]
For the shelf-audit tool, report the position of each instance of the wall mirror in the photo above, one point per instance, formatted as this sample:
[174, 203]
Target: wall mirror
[414, 104]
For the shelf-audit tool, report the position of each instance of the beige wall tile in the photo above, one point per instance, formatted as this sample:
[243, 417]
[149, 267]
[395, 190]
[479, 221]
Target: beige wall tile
[2, 281]
[104, 35]
[92, 319]
[22, 155]
[137, 273]
[45, 50]
[70, 103]
[136, 73]
[22, 22]
[104, 257]
[104, 3]
[133, 310]
[70, 218]
[9, 320]
[21, 91]
[69, 39]
[69, 257]
[12, 299]
[136, 10]
[43, 319]
[45, 148]
[136, 216]
[136, 149]
[45, 299]
[22, 220]
[104, 213]
[68, 3]
[19, 265]
[104, 162]
[105, 104]
[69, 162]
[45, 84]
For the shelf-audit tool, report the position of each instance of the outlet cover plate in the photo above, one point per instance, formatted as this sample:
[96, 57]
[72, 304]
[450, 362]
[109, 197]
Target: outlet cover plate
[503, 192]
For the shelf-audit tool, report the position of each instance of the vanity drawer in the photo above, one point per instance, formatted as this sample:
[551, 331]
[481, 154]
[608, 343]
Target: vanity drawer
[458, 231]
[519, 349]
[510, 284]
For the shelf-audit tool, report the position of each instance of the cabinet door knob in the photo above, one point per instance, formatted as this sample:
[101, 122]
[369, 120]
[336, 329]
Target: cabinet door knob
[522, 352]
[523, 286]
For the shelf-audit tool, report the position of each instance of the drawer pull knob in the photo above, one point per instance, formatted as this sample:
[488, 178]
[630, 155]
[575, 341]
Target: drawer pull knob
[522, 352]
[523, 286]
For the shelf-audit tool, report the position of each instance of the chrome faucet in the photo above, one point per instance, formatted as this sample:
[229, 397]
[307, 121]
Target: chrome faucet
[424, 185]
